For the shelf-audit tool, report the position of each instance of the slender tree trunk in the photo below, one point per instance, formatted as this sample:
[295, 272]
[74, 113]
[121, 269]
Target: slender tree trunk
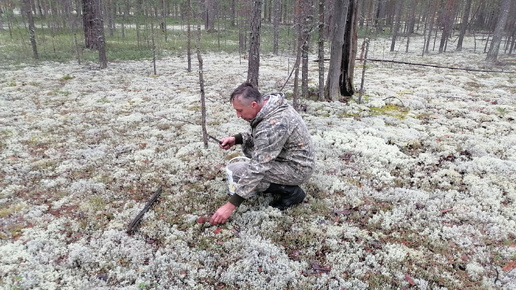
[2, 19]
[448, 14]
[298, 24]
[232, 17]
[88, 16]
[365, 51]
[295, 101]
[349, 51]
[73, 20]
[32, 28]
[163, 19]
[492, 55]
[139, 16]
[201, 88]
[412, 19]
[209, 15]
[397, 22]
[101, 40]
[464, 24]
[276, 20]
[243, 14]
[321, 50]
[513, 44]
[110, 13]
[380, 15]
[254, 43]
[332, 90]
[430, 21]
[306, 27]
[189, 34]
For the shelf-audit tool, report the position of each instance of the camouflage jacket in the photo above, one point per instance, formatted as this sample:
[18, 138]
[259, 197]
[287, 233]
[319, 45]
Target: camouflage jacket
[278, 133]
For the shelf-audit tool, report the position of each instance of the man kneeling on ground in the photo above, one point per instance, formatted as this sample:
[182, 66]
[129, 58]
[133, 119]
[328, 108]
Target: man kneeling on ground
[278, 145]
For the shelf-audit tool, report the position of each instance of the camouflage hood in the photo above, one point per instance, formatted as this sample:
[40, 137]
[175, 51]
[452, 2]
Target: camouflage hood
[276, 104]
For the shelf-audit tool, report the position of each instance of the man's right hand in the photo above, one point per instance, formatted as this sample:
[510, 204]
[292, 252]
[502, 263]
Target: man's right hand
[227, 142]
[222, 214]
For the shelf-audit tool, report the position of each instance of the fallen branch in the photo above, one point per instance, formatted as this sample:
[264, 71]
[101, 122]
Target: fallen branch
[430, 65]
[438, 66]
[136, 221]
[396, 99]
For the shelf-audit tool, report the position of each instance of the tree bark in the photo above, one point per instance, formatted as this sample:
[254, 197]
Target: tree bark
[276, 22]
[32, 28]
[111, 13]
[94, 29]
[1, 19]
[332, 90]
[349, 51]
[189, 34]
[397, 22]
[306, 27]
[209, 15]
[492, 54]
[254, 43]
[380, 15]
[320, 50]
[343, 51]
[201, 89]
[448, 14]
[88, 20]
[464, 24]
[430, 26]
[412, 20]
[139, 19]
[232, 17]
[101, 39]
[243, 14]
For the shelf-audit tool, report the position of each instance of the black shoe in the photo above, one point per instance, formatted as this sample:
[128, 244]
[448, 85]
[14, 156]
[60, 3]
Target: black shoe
[288, 195]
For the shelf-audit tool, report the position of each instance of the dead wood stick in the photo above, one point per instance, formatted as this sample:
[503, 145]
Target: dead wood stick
[430, 65]
[136, 221]
[438, 66]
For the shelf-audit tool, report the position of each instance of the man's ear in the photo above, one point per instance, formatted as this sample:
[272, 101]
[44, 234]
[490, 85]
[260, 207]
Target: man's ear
[254, 104]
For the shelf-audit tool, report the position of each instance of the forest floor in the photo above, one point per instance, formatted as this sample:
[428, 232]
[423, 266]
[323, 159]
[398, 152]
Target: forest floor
[414, 187]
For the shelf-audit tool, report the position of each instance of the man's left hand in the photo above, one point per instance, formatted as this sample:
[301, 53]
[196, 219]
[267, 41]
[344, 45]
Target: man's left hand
[222, 214]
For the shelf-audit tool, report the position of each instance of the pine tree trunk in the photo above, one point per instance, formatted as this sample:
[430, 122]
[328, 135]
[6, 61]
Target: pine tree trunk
[243, 14]
[464, 24]
[88, 21]
[332, 90]
[397, 22]
[94, 29]
[306, 26]
[189, 34]
[380, 15]
[210, 15]
[276, 22]
[201, 89]
[448, 14]
[349, 51]
[254, 43]
[32, 28]
[321, 50]
[101, 40]
[492, 55]
[430, 21]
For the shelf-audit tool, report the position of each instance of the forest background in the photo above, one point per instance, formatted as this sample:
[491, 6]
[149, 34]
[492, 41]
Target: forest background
[67, 29]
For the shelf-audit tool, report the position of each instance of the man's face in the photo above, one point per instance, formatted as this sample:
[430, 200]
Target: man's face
[245, 109]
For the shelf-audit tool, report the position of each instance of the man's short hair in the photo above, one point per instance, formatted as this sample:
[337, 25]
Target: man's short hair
[248, 92]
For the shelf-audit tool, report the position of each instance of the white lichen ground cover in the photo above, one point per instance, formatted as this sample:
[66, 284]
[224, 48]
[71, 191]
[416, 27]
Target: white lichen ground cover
[414, 187]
